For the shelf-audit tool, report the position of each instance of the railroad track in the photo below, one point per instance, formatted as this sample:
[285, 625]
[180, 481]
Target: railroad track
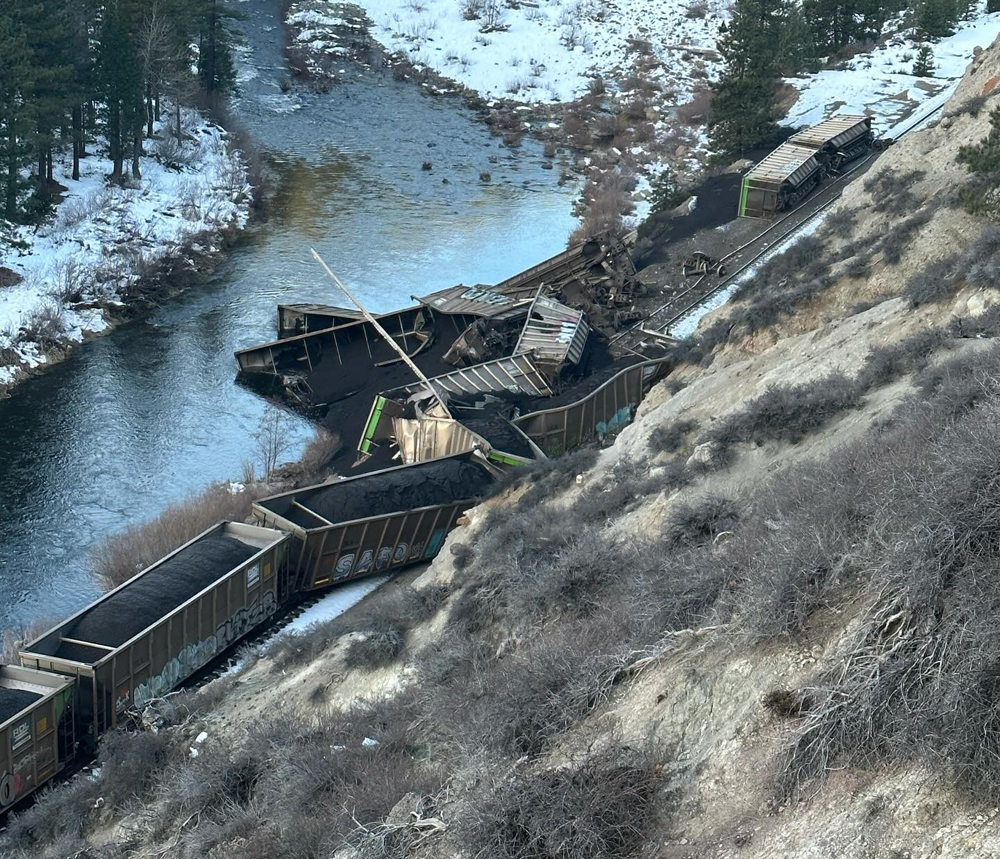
[657, 324]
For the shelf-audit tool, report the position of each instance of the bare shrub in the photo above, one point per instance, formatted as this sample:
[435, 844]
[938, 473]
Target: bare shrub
[840, 222]
[604, 128]
[597, 87]
[609, 200]
[462, 554]
[935, 282]
[697, 10]
[14, 638]
[980, 263]
[131, 764]
[669, 438]
[121, 556]
[698, 111]
[320, 450]
[700, 522]
[173, 154]
[46, 326]
[377, 648]
[892, 191]
[272, 439]
[884, 364]
[786, 413]
[602, 808]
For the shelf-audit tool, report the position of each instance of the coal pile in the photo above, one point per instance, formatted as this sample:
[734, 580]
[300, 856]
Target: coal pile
[499, 432]
[13, 701]
[424, 485]
[147, 599]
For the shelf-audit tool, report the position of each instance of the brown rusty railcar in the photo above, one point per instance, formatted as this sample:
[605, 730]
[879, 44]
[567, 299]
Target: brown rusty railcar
[332, 549]
[112, 678]
[37, 730]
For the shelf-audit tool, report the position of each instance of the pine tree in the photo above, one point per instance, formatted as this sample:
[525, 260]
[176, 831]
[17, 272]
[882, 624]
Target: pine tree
[923, 67]
[797, 48]
[121, 87]
[993, 5]
[982, 159]
[17, 117]
[215, 48]
[837, 23]
[48, 38]
[746, 94]
[935, 19]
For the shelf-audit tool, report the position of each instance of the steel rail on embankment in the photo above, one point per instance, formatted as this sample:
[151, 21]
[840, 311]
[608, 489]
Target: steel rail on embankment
[677, 315]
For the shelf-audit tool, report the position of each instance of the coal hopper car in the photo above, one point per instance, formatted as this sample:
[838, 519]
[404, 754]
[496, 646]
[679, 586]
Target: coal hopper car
[37, 730]
[152, 633]
[376, 522]
[781, 180]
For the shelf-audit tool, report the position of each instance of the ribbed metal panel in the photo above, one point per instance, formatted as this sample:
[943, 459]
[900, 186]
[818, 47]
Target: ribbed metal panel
[788, 163]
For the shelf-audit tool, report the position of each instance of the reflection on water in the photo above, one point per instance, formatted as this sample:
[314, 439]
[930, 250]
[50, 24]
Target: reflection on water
[148, 414]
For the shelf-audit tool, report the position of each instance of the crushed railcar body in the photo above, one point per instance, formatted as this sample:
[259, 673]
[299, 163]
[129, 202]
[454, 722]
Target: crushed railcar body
[376, 522]
[486, 353]
[786, 176]
[147, 636]
[37, 730]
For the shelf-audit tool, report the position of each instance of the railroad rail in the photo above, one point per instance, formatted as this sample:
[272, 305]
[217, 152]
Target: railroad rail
[656, 325]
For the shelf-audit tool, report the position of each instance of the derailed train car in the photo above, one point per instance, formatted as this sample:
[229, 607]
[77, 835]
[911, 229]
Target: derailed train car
[788, 175]
[145, 638]
[375, 522]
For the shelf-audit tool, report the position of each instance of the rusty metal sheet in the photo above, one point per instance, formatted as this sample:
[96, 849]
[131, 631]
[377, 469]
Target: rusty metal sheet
[475, 300]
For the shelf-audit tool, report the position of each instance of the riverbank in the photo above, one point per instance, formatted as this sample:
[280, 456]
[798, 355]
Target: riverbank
[624, 97]
[108, 251]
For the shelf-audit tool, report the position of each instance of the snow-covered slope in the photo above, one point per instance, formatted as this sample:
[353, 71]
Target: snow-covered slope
[103, 237]
[882, 84]
[551, 48]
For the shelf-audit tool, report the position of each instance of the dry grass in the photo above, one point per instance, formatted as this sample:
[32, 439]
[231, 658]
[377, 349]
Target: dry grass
[120, 557]
[608, 201]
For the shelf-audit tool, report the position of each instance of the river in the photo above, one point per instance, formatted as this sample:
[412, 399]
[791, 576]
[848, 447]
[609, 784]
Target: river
[149, 413]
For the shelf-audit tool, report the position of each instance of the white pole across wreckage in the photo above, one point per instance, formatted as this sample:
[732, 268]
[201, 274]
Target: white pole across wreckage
[385, 335]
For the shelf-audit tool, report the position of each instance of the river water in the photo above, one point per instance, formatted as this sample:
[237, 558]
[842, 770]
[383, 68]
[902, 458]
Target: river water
[150, 413]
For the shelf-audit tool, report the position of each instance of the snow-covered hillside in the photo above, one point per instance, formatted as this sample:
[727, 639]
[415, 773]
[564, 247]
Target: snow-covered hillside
[550, 49]
[882, 84]
[102, 238]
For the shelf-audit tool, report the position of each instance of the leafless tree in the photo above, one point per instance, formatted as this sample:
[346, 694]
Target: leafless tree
[272, 439]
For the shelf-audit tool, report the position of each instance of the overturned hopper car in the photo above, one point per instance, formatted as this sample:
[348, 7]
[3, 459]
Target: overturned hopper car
[376, 522]
[789, 174]
[152, 633]
[36, 730]
[603, 412]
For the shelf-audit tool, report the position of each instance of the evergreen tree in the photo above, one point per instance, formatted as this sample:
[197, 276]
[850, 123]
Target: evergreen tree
[746, 94]
[935, 19]
[121, 86]
[215, 48]
[49, 41]
[982, 159]
[993, 5]
[924, 65]
[797, 48]
[17, 116]
[837, 23]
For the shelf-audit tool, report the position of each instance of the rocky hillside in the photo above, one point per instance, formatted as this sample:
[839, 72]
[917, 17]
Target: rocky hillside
[760, 624]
